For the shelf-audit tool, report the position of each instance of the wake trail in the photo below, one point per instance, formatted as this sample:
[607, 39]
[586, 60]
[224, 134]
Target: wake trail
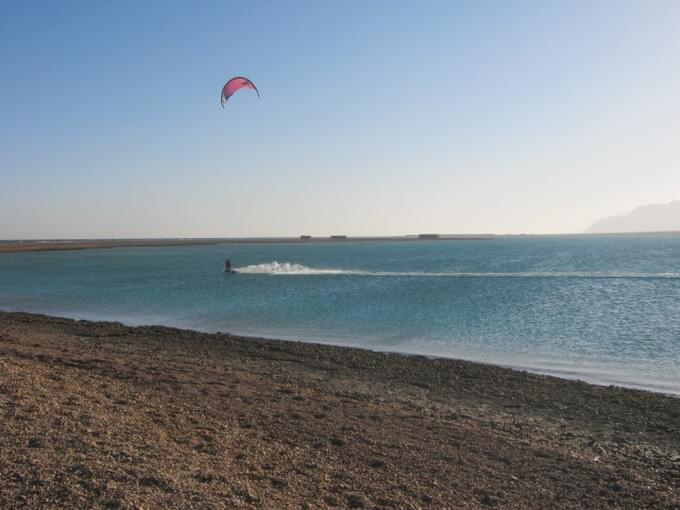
[292, 269]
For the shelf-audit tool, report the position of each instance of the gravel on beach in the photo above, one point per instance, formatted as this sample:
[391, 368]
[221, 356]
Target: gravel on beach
[102, 415]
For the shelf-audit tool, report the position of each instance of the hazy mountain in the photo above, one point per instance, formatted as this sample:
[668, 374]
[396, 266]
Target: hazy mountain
[647, 218]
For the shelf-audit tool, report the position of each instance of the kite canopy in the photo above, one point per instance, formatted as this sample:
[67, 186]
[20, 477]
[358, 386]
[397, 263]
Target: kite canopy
[234, 85]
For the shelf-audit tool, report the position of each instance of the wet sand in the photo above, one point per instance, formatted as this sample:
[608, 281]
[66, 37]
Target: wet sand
[101, 415]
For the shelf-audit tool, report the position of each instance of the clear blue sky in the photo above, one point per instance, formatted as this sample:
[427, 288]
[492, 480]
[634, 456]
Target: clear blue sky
[375, 117]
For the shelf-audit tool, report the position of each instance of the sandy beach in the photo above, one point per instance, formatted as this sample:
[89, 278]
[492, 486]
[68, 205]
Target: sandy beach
[101, 415]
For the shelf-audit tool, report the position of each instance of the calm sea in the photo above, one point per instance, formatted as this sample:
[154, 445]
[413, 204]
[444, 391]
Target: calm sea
[601, 309]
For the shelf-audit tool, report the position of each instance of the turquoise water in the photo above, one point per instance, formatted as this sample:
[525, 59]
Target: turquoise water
[601, 309]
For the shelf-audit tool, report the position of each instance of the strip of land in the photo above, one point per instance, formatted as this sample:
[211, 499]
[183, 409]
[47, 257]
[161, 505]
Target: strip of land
[100, 415]
[101, 244]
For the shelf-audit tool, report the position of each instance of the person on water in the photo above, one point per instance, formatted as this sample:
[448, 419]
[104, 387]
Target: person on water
[227, 266]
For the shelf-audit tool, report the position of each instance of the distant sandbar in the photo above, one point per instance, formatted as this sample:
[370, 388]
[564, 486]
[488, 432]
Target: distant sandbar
[89, 244]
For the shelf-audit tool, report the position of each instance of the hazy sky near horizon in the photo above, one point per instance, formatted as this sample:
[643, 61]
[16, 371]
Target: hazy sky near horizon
[382, 117]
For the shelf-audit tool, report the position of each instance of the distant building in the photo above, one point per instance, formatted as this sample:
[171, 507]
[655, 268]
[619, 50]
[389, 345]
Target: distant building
[305, 237]
[428, 236]
[338, 237]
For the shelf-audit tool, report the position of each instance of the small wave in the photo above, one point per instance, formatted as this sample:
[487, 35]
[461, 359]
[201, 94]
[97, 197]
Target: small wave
[292, 269]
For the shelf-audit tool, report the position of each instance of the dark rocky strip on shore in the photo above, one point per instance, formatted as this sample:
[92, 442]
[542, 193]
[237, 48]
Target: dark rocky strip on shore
[100, 415]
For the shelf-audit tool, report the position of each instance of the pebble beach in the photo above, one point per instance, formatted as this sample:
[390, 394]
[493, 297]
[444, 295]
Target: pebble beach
[101, 415]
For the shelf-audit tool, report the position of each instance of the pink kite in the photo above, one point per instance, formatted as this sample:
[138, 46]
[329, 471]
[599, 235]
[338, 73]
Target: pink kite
[234, 85]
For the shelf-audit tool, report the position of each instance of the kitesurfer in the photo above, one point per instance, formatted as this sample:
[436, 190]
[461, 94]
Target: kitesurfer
[227, 266]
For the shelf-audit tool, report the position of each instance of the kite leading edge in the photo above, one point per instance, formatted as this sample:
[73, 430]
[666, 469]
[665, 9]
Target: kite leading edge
[234, 85]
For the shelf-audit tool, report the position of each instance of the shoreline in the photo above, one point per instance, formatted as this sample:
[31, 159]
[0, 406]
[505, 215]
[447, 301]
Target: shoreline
[39, 245]
[102, 414]
[23, 246]
[564, 373]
